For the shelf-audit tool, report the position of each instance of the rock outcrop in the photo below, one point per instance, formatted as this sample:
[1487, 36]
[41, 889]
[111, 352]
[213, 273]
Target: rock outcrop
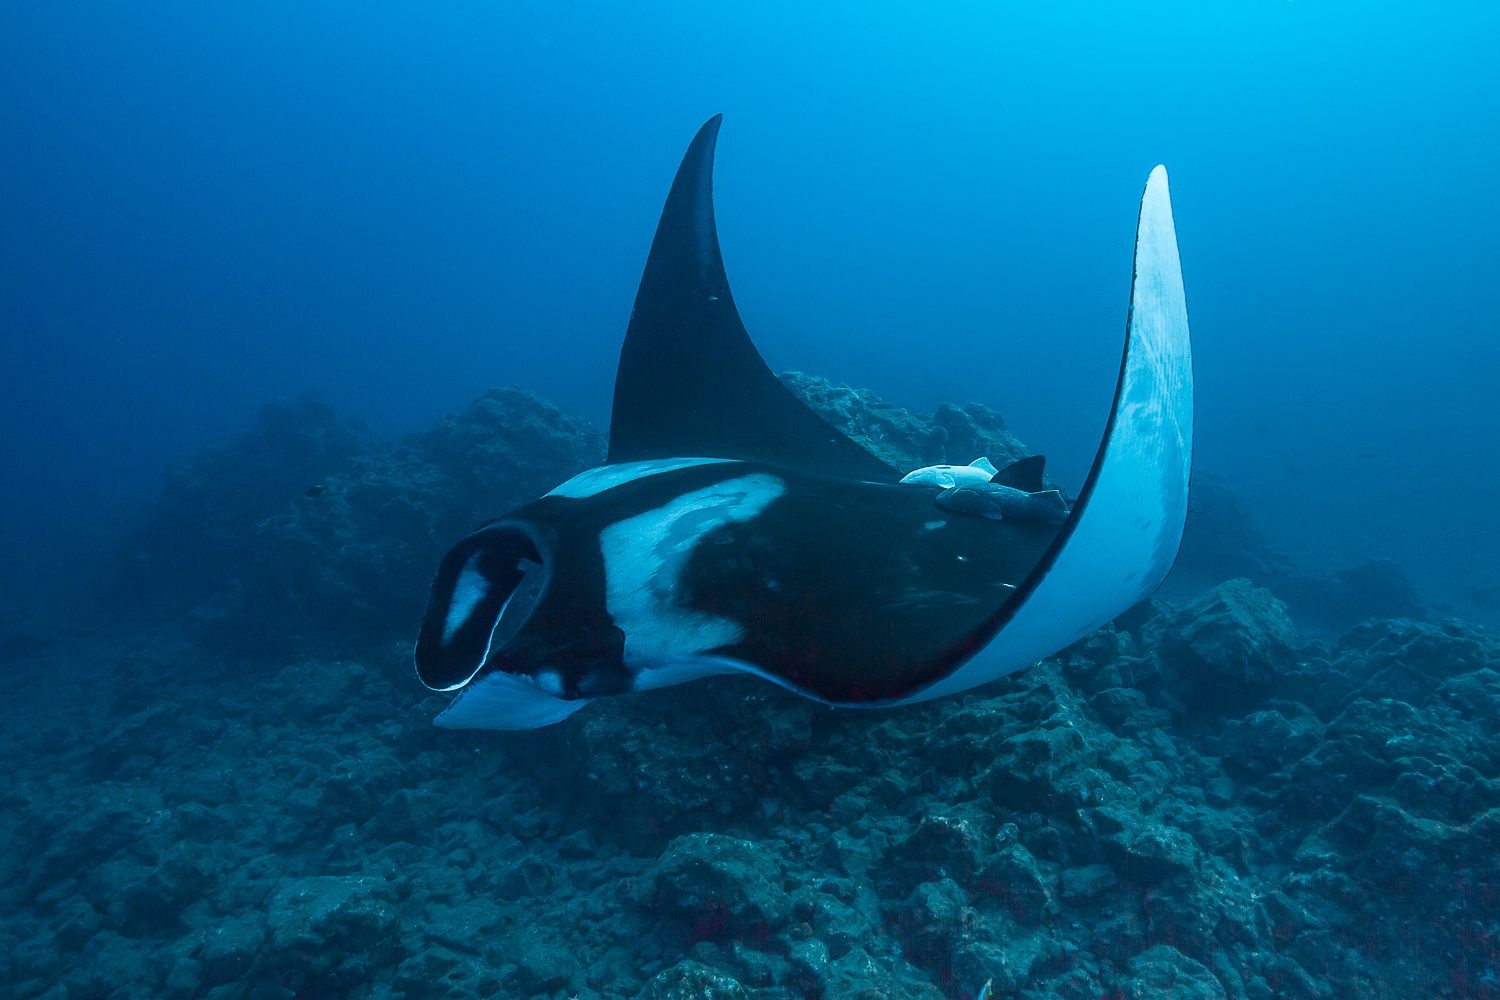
[1193, 802]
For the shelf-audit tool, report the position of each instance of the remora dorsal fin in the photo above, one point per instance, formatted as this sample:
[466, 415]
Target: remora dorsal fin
[1023, 474]
[984, 464]
[690, 381]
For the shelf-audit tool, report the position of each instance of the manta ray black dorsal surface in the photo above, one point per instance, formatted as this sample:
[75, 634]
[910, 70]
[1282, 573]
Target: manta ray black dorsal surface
[690, 381]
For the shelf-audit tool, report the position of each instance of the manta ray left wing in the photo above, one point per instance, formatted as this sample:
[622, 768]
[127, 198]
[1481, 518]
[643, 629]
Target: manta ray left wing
[690, 381]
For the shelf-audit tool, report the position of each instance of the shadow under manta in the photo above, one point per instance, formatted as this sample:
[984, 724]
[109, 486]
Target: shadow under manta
[733, 529]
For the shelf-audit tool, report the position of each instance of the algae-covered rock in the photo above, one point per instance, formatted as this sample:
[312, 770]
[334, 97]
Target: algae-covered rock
[933, 920]
[183, 876]
[330, 931]
[543, 965]
[712, 881]
[1266, 741]
[859, 976]
[690, 980]
[1163, 971]
[947, 845]
[1087, 881]
[358, 557]
[1237, 631]
[1014, 877]
[1141, 847]
[201, 534]
[953, 435]
[231, 947]
[1186, 791]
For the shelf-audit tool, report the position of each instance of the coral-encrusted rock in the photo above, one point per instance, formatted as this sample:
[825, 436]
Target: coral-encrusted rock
[543, 965]
[951, 436]
[1044, 769]
[943, 846]
[328, 932]
[933, 920]
[202, 533]
[1142, 847]
[690, 980]
[1163, 971]
[717, 885]
[357, 559]
[1263, 742]
[1235, 630]
[1088, 881]
[230, 948]
[1015, 878]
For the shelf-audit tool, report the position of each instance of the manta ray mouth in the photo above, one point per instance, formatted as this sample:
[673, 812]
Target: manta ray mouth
[486, 590]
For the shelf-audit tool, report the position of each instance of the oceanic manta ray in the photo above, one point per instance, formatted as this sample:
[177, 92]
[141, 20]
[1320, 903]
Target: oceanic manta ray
[731, 529]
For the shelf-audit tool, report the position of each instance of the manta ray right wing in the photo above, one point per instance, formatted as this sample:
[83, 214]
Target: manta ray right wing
[1122, 536]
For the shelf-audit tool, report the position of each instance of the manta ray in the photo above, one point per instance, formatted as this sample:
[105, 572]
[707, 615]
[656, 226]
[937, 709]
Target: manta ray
[733, 530]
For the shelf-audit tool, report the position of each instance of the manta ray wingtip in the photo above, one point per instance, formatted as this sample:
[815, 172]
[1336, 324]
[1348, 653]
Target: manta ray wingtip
[1158, 191]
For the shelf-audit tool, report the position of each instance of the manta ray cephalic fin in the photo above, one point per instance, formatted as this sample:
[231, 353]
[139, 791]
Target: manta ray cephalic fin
[1122, 536]
[690, 381]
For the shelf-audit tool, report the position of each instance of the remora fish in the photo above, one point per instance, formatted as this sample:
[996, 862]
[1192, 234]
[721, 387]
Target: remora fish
[733, 530]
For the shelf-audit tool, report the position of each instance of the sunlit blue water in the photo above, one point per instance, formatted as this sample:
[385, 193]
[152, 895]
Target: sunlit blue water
[397, 206]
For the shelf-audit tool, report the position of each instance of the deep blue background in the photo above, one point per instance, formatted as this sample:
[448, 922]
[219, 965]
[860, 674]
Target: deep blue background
[398, 205]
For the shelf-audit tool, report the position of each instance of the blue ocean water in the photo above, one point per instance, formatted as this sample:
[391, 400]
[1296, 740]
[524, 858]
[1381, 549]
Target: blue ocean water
[265, 271]
[397, 206]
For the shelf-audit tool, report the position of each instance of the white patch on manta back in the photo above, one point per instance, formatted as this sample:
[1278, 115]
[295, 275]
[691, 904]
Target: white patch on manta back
[607, 477]
[644, 557]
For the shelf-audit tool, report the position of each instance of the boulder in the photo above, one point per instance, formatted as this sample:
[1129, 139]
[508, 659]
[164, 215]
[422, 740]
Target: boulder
[1087, 882]
[933, 920]
[946, 845]
[719, 886]
[230, 947]
[328, 932]
[1163, 971]
[1267, 741]
[1014, 877]
[1236, 631]
[690, 980]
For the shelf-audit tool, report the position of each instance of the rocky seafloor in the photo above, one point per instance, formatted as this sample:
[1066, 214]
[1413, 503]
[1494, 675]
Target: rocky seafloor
[233, 789]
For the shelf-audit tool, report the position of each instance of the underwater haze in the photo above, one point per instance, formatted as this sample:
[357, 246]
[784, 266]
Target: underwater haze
[398, 206]
[295, 296]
